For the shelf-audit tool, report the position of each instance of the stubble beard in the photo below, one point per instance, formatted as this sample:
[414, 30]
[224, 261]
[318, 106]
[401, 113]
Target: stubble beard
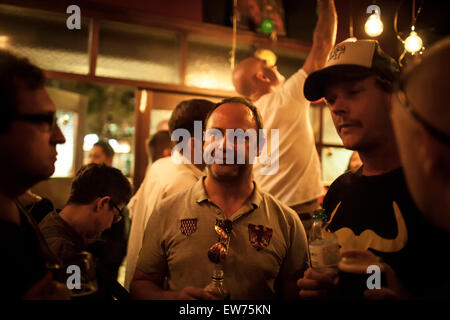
[229, 176]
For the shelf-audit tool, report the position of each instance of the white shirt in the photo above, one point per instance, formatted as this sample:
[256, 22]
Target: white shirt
[298, 179]
[162, 179]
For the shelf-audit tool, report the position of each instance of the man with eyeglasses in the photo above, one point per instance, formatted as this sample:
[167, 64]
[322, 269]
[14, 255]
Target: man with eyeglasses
[223, 223]
[421, 119]
[371, 209]
[97, 197]
[28, 138]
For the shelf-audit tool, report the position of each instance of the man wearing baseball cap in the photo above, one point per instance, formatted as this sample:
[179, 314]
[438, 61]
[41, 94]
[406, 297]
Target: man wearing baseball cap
[371, 209]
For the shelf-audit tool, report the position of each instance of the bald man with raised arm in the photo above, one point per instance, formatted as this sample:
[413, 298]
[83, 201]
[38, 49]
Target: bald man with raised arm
[293, 175]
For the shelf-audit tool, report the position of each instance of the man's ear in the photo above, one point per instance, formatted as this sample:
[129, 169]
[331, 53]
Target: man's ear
[261, 143]
[102, 202]
[109, 161]
[192, 143]
[261, 77]
[167, 152]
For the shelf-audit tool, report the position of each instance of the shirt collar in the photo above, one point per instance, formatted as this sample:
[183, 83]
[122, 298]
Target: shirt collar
[200, 194]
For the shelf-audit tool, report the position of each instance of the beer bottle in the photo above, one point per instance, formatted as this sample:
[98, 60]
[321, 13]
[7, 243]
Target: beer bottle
[216, 287]
[323, 244]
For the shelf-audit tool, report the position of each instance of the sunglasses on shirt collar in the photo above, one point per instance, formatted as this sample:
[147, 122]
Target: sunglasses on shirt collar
[219, 251]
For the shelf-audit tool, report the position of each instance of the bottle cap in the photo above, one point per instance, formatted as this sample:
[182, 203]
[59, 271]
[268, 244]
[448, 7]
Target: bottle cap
[217, 274]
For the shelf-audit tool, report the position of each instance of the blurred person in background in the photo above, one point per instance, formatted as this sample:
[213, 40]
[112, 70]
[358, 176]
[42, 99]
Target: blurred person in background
[102, 152]
[165, 177]
[159, 145]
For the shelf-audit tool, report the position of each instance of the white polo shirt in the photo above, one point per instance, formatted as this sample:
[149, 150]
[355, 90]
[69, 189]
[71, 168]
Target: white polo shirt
[298, 178]
[162, 179]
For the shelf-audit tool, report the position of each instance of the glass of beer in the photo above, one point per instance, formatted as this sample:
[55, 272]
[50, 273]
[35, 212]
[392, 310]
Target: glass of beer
[78, 274]
[359, 271]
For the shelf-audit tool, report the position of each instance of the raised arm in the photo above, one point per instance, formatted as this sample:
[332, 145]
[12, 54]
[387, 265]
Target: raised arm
[324, 36]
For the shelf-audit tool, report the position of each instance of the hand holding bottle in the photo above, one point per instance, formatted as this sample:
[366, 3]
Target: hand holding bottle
[320, 281]
[317, 284]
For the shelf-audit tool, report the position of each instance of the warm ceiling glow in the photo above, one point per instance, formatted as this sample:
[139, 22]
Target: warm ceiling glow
[4, 42]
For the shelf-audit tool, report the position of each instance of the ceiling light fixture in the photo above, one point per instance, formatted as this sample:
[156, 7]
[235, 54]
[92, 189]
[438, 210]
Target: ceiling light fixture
[374, 25]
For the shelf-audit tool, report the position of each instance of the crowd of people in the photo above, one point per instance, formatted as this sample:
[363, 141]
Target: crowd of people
[191, 220]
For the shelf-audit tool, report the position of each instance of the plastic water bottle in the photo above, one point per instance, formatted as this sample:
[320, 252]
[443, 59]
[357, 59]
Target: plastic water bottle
[323, 244]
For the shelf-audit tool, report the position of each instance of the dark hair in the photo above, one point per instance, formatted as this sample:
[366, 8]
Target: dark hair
[106, 148]
[16, 73]
[157, 143]
[245, 102]
[188, 111]
[99, 180]
[385, 85]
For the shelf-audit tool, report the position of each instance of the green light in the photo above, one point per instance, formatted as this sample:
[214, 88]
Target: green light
[267, 26]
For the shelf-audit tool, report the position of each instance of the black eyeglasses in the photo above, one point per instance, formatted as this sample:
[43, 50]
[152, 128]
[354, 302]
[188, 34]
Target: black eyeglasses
[219, 251]
[403, 98]
[49, 119]
[118, 216]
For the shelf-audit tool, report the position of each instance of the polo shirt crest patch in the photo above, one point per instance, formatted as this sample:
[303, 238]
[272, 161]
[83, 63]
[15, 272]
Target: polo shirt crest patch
[188, 226]
[259, 236]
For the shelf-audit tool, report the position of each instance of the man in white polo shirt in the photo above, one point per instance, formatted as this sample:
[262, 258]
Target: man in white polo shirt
[294, 174]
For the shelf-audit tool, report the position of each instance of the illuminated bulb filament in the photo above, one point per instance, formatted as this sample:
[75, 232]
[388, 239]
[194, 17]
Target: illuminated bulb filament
[413, 43]
[373, 26]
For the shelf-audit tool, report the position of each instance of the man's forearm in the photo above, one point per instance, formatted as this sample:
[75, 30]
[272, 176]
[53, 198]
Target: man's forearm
[326, 28]
[324, 36]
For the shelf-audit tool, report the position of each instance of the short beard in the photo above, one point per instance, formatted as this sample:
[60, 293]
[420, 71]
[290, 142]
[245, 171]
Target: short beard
[227, 178]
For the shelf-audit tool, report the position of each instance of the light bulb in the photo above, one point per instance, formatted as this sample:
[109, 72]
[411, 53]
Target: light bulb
[4, 42]
[413, 43]
[143, 102]
[373, 26]
[351, 39]
[267, 55]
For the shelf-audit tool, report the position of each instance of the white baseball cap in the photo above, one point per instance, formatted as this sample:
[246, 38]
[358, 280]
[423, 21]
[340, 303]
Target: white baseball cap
[349, 61]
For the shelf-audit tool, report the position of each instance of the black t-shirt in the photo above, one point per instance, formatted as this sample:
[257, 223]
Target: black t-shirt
[363, 211]
[23, 263]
